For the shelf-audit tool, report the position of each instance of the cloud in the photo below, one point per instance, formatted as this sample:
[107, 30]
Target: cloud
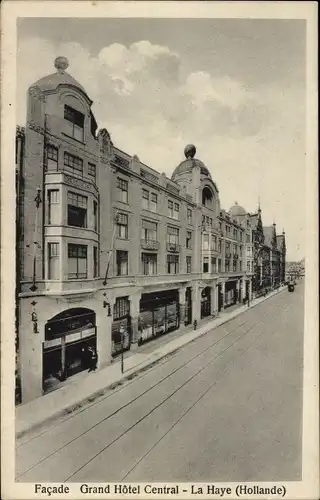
[251, 139]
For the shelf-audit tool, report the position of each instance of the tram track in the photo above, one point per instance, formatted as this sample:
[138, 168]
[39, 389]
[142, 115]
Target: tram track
[143, 373]
[204, 352]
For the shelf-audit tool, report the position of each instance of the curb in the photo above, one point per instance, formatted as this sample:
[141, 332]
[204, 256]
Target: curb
[133, 373]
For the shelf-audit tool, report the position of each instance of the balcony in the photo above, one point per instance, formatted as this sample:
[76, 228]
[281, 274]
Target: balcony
[173, 247]
[150, 244]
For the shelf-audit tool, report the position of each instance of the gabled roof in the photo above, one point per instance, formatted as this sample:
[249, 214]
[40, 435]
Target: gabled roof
[268, 232]
[254, 220]
[280, 241]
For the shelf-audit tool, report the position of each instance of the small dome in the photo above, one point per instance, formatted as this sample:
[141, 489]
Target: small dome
[237, 210]
[51, 82]
[186, 166]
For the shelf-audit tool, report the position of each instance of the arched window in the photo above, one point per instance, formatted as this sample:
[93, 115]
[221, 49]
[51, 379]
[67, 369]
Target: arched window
[207, 197]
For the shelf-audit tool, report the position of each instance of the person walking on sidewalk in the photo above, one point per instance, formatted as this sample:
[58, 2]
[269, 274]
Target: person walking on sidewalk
[93, 359]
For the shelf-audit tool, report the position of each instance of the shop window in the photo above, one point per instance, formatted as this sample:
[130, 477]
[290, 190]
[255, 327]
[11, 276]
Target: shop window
[77, 261]
[121, 308]
[189, 215]
[122, 226]
[173, 264]
[53, 206]
[92, 171]
[77, 210]
[188, 260]
[189, 240]
[74, 123]
[73, 164]
[122, 263]
[52, 158]
[122, 188]
[53, 261]
[95, 262]
[206, 264]
[149, 263]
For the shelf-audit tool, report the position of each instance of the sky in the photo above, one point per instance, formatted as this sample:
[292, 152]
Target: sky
[233, 87]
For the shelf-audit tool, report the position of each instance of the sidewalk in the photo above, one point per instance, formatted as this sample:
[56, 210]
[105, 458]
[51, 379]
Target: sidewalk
[86, 388]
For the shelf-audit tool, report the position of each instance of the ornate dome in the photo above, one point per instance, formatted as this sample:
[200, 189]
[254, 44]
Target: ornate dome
[186, 166]
[51, 82]
[237, 210]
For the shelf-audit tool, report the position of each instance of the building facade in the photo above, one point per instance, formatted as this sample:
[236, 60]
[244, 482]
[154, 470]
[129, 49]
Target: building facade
[106, 244]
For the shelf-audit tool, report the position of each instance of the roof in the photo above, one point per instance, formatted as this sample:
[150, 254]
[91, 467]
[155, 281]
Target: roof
[237, 210]
[61, 77]
[280, 241]
[186, 166]
[254, 220]
[268, 232]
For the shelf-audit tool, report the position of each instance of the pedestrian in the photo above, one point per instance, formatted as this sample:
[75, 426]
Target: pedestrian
[93, 359]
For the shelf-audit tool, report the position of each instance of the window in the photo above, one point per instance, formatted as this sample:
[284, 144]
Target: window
[170, 208]
[148, 231]
[240, 235]
[95, 262]
[74, 123]
[121, 308]
[219, 245]
[207, 222]
[95, 215]
[240, 265]
[52, 158]
[214, 243]
[77, 261]
[234, 234]
[219, 265]
[73, 164]
[207, 197]
[241, 251]
[77, 210]
[227, 265]
[234, 265]
[213, 265]
[235, 249]
[228, 231]
[145, 199]
[248, 267]
[188, 260]
[153, 202]
[189, 240]
[173, 235]
[53, 208]
[122, 263]
[210, 223]
[248, 238]
[122, 187]
[122, 226]
[189, 215]
[53, 261]
[176, 211]
[172, 264]
[92, 171]
[149, 263]
[206, 264]
[149, 200]
[205, 242]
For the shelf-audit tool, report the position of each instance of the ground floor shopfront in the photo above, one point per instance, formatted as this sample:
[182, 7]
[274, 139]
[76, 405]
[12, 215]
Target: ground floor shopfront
[56, 332]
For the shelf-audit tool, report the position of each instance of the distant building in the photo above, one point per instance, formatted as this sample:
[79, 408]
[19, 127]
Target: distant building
[105, 241]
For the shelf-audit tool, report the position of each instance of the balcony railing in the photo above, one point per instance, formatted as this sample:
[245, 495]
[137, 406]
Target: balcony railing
[150, 244]
[173, 247]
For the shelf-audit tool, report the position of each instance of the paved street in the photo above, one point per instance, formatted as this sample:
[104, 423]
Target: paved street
[226, 407]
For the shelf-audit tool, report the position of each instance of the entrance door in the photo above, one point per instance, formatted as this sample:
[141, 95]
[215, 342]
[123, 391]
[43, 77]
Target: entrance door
[206, 302]
[188, 313]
